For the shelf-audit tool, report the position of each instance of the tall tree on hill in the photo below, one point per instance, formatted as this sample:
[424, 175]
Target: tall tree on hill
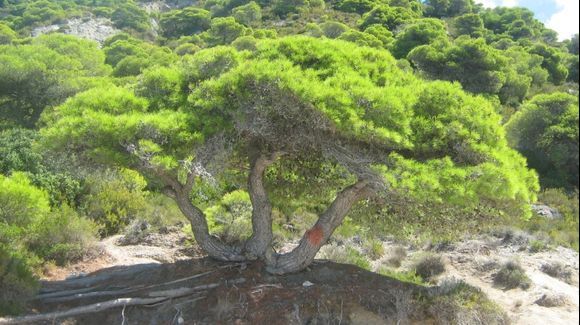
[294, 106]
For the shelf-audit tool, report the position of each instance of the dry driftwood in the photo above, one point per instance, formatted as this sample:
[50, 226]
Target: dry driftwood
[62, 296]
[120, 302]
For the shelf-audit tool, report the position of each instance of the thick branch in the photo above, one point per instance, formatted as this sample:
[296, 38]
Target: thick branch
[259, 244]
[180, 193]
[318, 235]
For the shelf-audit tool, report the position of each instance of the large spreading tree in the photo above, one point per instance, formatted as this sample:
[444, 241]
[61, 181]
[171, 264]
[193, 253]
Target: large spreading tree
[291, 106]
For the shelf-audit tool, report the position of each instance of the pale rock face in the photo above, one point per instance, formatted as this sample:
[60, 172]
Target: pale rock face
[96, 29]
[546, 211]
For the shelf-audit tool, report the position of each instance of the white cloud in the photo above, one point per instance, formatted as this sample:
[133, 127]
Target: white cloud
[496, 3]
[565, 20]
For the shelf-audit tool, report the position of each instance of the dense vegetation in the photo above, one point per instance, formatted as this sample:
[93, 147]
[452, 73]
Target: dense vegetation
[278, 118]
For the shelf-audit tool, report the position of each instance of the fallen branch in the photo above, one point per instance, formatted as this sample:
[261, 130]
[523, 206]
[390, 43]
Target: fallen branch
[82, 310]
[63, 296]
[169, 294]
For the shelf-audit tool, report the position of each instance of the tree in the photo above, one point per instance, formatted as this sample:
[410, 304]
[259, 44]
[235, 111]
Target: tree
[292, 105]
[573, 45]
[333, 29]
[188, 21]
[448, 8]
[553, 62]
[358, 6]
[478, 66]
[223, 31]
[420, 32]
[33, 77]
[469, 24]
[249, 14]
[7, 35]
[389, 17]
[545, 130]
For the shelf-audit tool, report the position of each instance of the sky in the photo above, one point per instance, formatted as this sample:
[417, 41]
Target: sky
[559, 15]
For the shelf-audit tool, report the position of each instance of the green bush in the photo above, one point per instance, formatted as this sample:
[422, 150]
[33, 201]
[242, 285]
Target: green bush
[511, 275]
[21, 203]
[230, 218]
[114, 199]
[406, 276]
[374, 249]
[18, 282]
[62, 236]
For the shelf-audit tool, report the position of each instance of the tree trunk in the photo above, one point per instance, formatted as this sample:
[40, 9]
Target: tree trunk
[260, 243]
[210, 244]
[317, 236]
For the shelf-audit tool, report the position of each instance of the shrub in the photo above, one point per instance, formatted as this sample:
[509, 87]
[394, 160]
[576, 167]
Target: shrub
[396, 256]
[374, 249]
[230, 218]
[17, 283]
[511, 275]
[62, 236]
[342, 254]
[429, 266]
[113, 199]
[407, 276]
[557, 270]
[537, 246]
[456, 302]
[20, 202]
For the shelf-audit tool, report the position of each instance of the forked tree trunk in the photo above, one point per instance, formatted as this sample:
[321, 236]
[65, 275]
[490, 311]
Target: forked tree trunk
[259, 245]
[318, 235]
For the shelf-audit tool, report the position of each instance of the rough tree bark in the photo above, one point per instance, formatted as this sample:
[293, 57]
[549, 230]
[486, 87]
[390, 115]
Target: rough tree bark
[259, 245]
[318, 235]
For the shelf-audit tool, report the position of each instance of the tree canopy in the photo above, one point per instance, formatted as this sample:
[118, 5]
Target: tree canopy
[299, 99]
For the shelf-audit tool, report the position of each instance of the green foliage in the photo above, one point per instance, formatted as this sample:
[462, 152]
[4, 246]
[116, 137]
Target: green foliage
[223, 31]
[7, 35]
[452, 151]
[420, 32]
[188, 21]
[33, 77]
[128, 15]
[468, 24]
[18, 282]
[387, 16]
[553, 62]
[230, 218]
[284, 7]
[113, 201]
[333, 29]
[62, 236]
[130, 56]
[448, 8]
[249, 14]
[21, 203]
[162, 87]
[472, 62]
[545, 130]
[405, 276]
[358, 6]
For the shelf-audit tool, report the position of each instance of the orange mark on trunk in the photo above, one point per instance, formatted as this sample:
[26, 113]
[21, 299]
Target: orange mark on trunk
[315, 235]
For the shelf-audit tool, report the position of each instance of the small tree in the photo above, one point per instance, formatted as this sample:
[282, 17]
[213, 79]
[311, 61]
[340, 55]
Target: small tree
[545, 130]
[294, 107]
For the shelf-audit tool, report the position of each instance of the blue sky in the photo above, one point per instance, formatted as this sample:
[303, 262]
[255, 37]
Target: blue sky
[559, 15]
